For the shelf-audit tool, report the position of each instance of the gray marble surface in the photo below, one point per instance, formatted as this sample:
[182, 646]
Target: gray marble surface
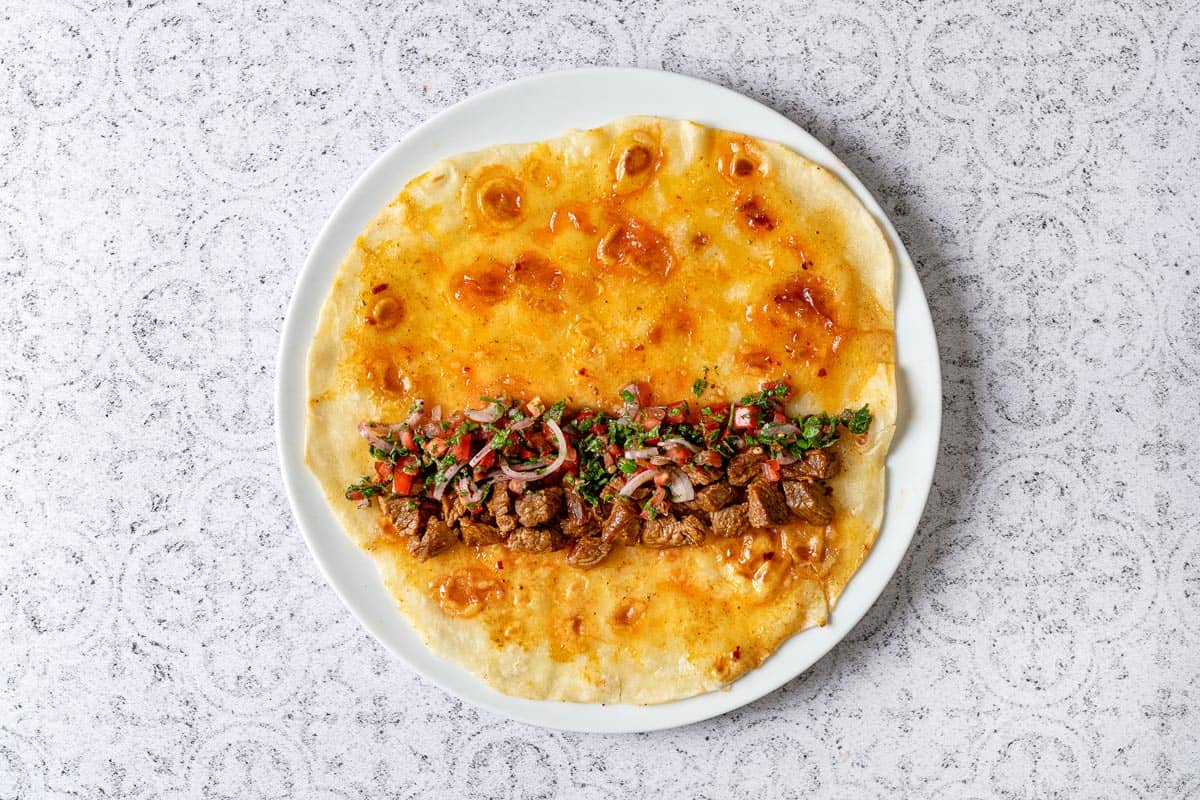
[163, 631]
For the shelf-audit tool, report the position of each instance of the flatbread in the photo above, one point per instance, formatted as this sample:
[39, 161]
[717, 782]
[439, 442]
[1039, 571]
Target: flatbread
[647, 249]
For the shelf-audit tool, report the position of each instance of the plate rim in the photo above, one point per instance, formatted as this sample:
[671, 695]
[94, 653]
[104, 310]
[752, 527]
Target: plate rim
[291, 375]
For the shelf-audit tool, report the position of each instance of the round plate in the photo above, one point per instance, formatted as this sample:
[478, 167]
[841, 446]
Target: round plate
[543, 107]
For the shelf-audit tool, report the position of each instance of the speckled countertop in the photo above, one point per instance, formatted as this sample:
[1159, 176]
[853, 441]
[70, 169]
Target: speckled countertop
[163, 631]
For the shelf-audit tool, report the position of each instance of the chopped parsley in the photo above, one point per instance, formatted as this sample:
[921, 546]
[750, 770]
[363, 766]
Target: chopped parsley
[597, 441]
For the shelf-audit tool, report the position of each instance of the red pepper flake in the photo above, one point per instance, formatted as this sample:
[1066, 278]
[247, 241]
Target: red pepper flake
[767, 556]
[582, 371]
[821, 373]
[640, 347]
[380, 288]
[369, 320]
[737, 653]
[499, 565]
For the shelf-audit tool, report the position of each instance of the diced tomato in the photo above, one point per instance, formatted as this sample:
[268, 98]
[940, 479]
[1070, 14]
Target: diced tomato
[780, 418]
[662, 478]
[615, 451]
[708, 458]
[658, 502]
[716, 418]
[600, 430]
[745, 417]
[677, 413]
[354, 495]
[462, 450]
[402, 482]
[487, 462]
[383, 470]
[572, 456]
[680, 455]
[771, 471]
[652, 417]
[407, 441]
[436, 447]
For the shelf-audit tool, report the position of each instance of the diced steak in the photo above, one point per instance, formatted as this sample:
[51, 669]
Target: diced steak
[744, 467]
[580, 519]
[612, 488]
[669, 531]
[820, 464]
[807, 499]
[437, 537]
[501, 507]
[407, 515]
[712, 498]
[731, 520]
[766, 503]
[534, 540]
[454, 508]
[701, 475]
[539, 507]
[479, 534]
[589, 551]
[623, 525]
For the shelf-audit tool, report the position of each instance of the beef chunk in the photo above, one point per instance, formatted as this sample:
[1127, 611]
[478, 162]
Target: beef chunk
[539, 507]
[669, 531]
[744, 467]
[767, 505]
[712, 498]
[501, 507]
[534, 540]
[623, 525]
[807, 499]
[454, 508]
[407, 514]
[580, 518]
[612, 488]
[589, 551]
[701, 475]
[478, 534]
[437, 537]
[819, 464]
[731, 520]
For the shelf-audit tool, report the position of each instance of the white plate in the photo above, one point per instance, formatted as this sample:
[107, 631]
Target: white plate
[543, 107]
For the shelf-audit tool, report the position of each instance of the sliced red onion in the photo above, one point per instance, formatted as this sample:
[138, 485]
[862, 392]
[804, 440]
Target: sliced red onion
[642, 452]
[483, 451]
[484, 415]
[552, 467]
[660, 461]
[468, 490]
[522, 425]
[784, 459]
[684, 443]
[440, 489]
[681, 487]
[373, 435]
[414, 418]
[436, 414]
[631, 408]
[645, 476]
[780, 429]
[364, 503]
[432, 429]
